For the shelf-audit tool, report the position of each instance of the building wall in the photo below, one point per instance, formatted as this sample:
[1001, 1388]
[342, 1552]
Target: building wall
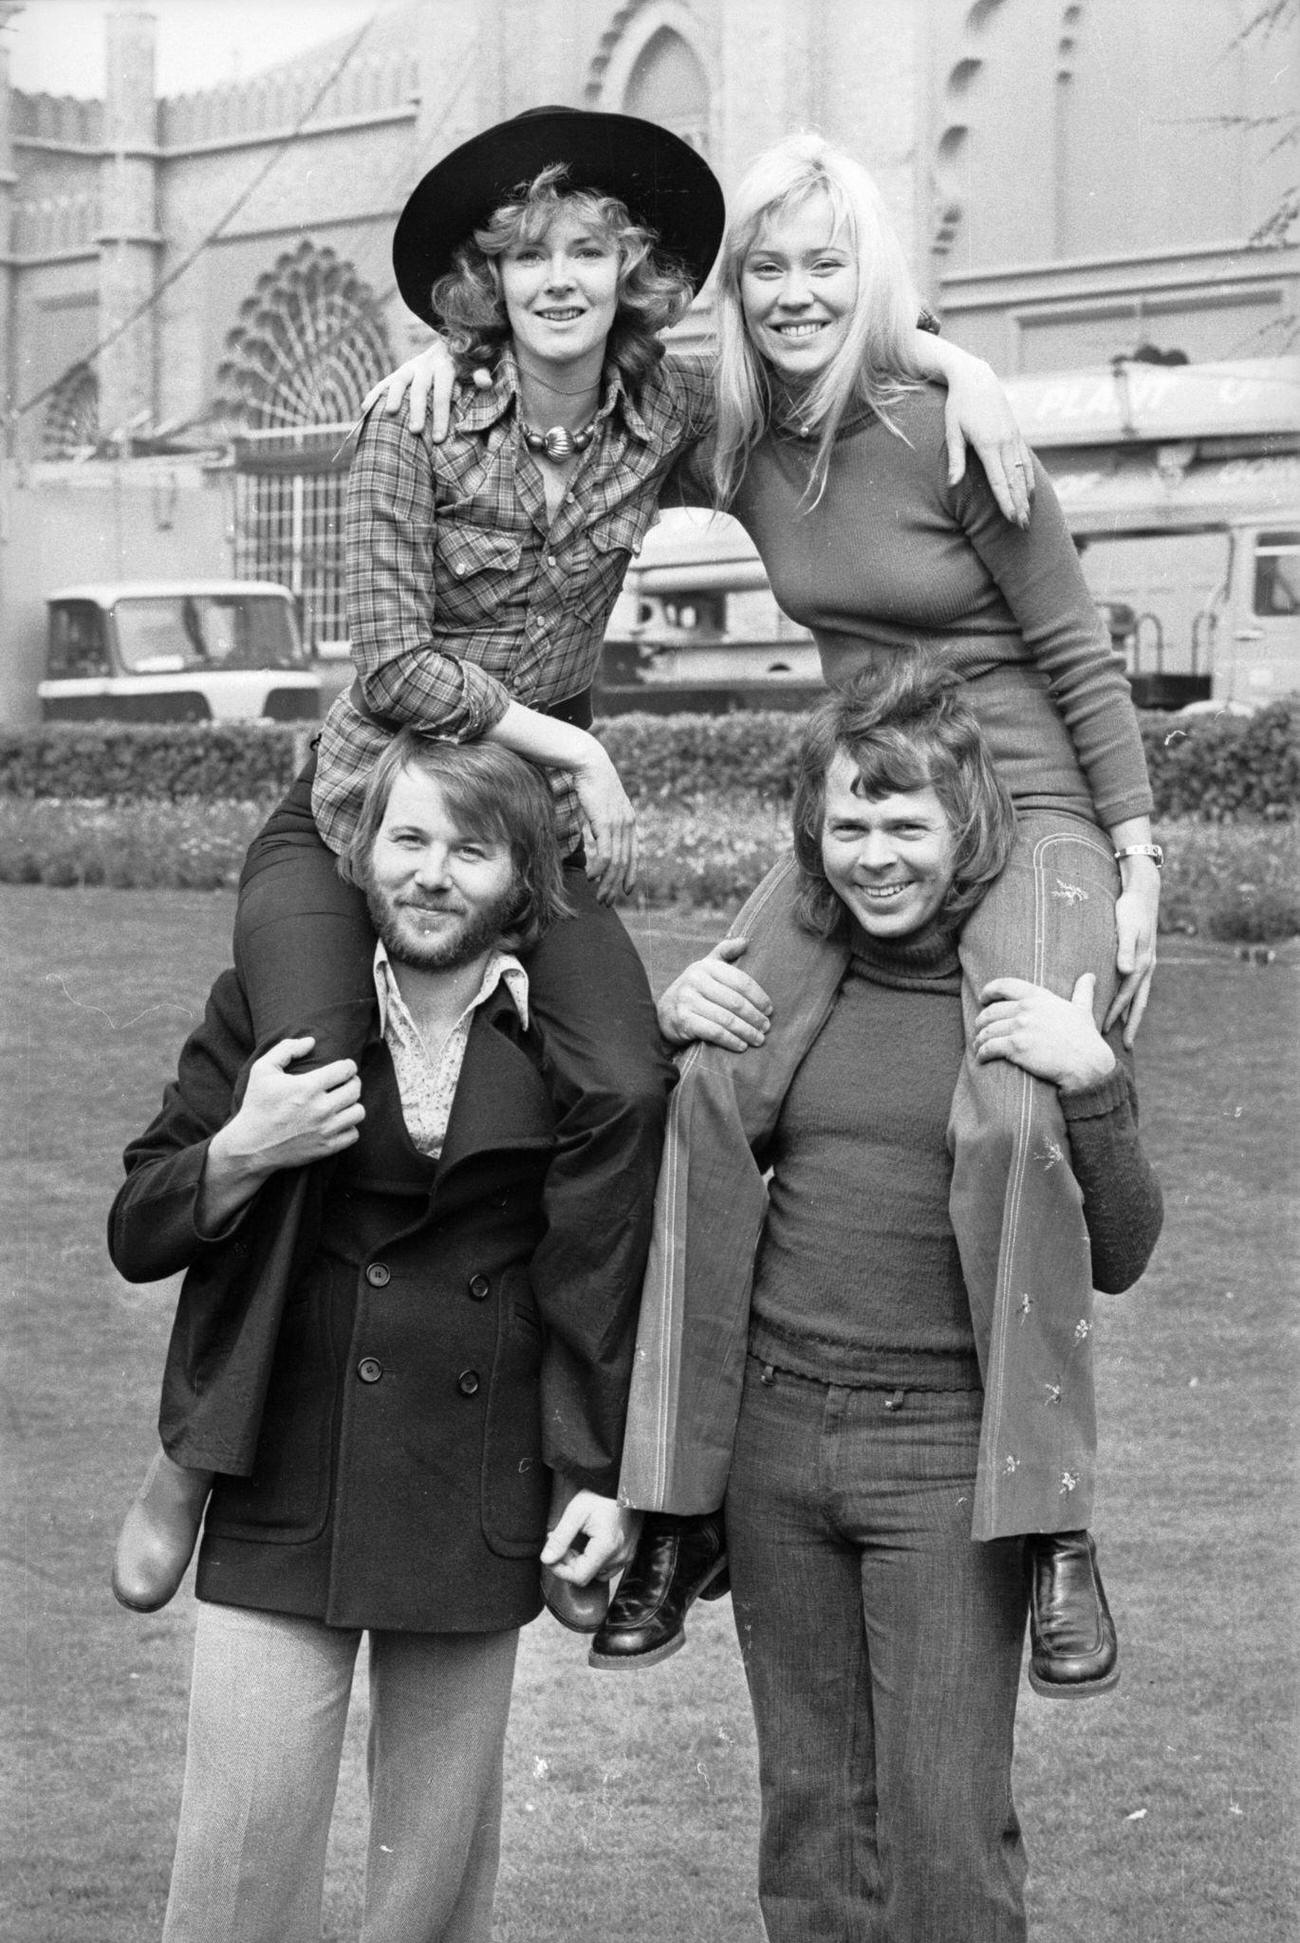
[1071, 179]
[1063, 174]
[1100, 168]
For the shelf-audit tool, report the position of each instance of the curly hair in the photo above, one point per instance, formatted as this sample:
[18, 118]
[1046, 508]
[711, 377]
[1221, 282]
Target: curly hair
[490, 793]
[654, 290]
[905, 725]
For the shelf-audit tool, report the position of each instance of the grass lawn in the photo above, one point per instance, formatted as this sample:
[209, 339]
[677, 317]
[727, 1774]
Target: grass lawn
[1165, 1813]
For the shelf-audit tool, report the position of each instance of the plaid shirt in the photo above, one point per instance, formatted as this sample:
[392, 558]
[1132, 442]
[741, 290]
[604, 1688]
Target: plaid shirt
[461, 596]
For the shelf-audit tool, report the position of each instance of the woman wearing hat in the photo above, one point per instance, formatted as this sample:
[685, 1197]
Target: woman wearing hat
[481, 572]
[480, 575]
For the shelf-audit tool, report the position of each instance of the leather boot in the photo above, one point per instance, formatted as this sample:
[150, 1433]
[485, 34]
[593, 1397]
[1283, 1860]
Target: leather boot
[158, 1534]
[678, 1560]
[1074, 1651]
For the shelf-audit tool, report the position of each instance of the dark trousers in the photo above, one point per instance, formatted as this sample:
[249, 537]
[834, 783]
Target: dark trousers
[304, 951]
[882, 1647]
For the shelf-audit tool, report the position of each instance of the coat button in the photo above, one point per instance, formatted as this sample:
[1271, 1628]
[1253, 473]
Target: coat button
[467, 1383]
[479, 1287]
[370, 1369]
[379, 1275]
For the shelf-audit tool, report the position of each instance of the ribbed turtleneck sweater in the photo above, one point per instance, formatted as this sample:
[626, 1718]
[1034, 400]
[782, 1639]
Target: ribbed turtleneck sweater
[858, 1265]
[858, 1278]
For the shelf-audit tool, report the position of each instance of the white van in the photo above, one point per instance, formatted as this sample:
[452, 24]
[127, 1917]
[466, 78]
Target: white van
[176, 651]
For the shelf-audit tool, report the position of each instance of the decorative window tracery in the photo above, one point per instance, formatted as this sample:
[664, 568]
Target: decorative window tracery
[72, 415]
[309, 344]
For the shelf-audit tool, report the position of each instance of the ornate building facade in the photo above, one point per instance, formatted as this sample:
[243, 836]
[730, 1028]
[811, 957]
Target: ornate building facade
[197, 291]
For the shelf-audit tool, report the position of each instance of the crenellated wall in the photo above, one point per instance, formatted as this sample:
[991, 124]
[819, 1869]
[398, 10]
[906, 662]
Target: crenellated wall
[275, 103]
[58, 118]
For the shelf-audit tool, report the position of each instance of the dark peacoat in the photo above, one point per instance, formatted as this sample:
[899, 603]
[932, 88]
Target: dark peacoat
[398, 1479]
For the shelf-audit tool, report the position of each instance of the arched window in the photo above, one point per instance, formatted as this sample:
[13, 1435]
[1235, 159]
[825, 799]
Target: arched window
[651, 63]
[309, 344]
[72, 415]
[668, 85]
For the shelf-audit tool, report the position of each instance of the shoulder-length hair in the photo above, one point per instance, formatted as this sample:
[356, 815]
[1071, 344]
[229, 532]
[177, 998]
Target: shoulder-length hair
[875, 365]
[654, 290]
[492, 795]
[905, 725]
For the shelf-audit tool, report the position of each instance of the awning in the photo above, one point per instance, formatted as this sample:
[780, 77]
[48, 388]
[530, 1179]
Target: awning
[1132, 493]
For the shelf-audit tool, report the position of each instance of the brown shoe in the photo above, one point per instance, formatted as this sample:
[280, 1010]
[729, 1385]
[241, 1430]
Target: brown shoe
[1074, 1650]
[581, 1608]
[158, 1533]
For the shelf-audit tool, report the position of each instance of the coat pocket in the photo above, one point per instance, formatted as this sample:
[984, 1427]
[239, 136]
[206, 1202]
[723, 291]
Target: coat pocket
[287, 1497]
[516, 1483]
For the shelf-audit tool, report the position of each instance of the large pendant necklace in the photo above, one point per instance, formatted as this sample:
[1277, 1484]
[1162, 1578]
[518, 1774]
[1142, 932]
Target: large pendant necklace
[557, 443]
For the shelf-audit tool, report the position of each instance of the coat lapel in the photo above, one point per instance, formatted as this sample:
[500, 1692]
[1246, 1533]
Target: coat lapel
[501, 1099]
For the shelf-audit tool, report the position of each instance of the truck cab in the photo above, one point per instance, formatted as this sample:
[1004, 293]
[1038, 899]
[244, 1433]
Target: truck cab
[176, 651]
[1181, 487]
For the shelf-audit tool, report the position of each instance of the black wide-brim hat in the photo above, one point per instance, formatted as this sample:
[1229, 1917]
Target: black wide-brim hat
[666, 185]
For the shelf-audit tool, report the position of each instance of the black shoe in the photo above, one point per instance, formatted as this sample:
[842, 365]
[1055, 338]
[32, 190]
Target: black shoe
[678, 1560]
[1075, 1654]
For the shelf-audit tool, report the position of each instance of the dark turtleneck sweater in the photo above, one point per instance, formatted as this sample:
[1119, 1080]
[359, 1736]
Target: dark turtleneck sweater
[858, 1278]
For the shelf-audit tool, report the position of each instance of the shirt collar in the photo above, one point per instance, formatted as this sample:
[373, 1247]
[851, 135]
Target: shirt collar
[480, 409]
[502, 968]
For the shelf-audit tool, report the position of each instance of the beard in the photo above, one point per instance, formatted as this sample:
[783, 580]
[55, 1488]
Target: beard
[471, 932]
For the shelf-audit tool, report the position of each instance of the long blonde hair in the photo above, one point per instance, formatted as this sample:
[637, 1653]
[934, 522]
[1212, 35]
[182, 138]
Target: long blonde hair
[876, 363]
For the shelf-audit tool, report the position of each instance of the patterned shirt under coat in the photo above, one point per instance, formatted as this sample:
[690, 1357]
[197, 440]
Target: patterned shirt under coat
[399, 1479]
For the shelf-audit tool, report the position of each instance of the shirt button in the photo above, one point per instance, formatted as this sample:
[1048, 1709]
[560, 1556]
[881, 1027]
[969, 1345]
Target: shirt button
[379, 1275]
[479, 1286]
[370, 1369]
[467, 1383]
[550, 559]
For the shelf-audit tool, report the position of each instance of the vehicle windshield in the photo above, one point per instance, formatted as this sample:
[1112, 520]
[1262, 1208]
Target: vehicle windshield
[170, 633]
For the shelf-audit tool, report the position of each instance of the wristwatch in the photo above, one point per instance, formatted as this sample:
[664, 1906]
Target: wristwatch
[1152, 850]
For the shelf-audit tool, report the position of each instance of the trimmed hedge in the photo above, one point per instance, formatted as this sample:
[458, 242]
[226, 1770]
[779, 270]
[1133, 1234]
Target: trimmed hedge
[127, 762]
[1215, 767]
[1220, 767]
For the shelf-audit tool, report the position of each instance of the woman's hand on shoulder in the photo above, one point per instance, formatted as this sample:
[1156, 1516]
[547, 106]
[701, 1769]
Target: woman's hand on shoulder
[429, 378]
[978, 412]
[714, 1001]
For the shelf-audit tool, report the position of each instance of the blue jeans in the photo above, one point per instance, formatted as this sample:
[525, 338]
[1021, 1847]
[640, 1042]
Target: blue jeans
[268, 1706]
[882, 1647]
